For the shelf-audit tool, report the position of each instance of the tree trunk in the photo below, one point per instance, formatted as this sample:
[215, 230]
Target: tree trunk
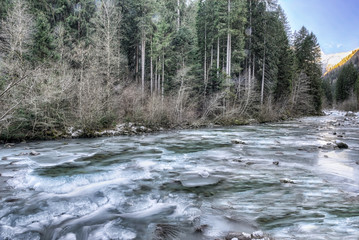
[155, 83]
[263, 72]
[136, 72]
[205, 55]
[228, 66]
[211, 63]
[249, 85]
[239, 87]
[151, 66]
[143, 59]
[218, 57]
[178, 15]
[163, 77]
[159, 76]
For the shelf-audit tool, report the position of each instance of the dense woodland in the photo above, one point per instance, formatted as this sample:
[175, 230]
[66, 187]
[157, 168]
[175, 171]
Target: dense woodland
[91, 64]
[341, 84]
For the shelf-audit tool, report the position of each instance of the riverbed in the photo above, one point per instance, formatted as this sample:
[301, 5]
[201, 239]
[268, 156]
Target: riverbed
[288, 179]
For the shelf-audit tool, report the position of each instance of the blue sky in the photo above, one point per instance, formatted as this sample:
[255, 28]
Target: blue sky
[334, 22]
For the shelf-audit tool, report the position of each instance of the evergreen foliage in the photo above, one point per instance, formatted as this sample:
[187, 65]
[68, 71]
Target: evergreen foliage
[307, 52]
[210, 60]
[346, 83]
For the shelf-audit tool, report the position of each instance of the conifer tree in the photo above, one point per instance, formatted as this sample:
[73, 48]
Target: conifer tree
[308, 56]
[346, 83]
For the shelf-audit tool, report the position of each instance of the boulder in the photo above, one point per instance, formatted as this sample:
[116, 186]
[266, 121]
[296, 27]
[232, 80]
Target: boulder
[342, 145]
[34, 153]
[276, 163]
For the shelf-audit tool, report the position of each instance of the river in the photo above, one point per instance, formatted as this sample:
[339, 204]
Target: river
[288, 180]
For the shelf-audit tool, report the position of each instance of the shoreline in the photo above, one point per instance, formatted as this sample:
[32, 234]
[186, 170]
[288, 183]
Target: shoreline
[134, 129]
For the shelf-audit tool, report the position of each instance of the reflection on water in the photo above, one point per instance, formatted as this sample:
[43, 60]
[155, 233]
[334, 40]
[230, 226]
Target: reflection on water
[192, 184]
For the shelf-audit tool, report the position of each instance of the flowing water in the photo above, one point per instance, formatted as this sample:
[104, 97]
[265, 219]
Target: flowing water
[190, 184]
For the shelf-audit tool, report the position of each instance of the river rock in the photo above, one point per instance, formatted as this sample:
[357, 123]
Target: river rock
[21, 154]
[9, 145]
[34, 153]
[342, 145]
[239, 236]
[4, 158]
[276, 163]
[350, 114]
[204, 174]
[237, 141]
[201, 228]
[198, 181]
[258, 235]
[286, 180]
[77, 134]
[134, 130]
[166, 231]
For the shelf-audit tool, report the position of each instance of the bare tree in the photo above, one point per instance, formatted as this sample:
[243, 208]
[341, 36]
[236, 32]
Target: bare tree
[16, 33]
[300, 98]
[106, 46]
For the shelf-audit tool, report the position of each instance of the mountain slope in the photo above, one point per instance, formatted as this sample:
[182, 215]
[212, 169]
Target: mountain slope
[330, 60]
[333, 61]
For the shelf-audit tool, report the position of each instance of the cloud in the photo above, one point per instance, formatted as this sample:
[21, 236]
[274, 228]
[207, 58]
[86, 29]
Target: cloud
[339, 45]
[328, 45]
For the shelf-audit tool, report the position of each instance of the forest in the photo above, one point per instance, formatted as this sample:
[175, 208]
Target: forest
[91, 64]
[341, 84]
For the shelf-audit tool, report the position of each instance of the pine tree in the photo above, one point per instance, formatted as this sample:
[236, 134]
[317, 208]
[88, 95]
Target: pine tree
[346, 83]
[308, 55]
[43, 46]
[4, 7]
[283, 84]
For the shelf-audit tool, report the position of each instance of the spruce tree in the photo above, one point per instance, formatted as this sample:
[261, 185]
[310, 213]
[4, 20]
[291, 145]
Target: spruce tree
[346, 83]
[308, 56]
[43, 46]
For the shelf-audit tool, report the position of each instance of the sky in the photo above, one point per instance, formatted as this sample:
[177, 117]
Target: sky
[334, 22]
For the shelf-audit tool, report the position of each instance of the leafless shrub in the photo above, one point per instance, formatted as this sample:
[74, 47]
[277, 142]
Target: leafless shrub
[350, 104]
[301, 100]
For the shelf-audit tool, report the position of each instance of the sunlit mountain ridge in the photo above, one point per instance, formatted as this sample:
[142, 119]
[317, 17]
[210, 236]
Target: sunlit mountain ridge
[331, 62]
